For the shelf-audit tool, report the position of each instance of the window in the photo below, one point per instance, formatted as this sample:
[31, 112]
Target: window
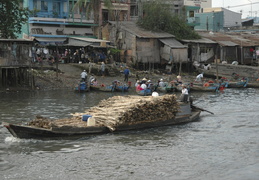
[35, 4]
[56, 7]
[44, 6]
[191, 13]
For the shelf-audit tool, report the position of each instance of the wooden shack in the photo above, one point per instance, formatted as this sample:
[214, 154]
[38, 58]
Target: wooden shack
[142, 48]
[15, 61]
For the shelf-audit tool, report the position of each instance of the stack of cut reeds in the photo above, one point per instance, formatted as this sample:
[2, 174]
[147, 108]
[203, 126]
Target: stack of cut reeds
[132, 110]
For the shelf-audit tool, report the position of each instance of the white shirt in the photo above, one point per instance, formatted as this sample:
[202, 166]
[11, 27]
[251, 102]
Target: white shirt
[184, 91]
[143, 86]
[83, 74]
[199, 76]
[161, 84]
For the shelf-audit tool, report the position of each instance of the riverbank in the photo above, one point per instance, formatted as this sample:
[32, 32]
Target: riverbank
[68, 76]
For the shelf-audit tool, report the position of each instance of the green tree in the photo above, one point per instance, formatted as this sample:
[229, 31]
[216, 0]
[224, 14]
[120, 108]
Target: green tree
[13, 15]
[158, 17]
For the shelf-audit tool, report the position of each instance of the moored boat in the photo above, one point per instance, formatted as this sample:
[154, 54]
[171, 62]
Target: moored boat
[145, 92]
[103, 88]
[82, 87]
[122, 88]
[208, 86]
[238, 84]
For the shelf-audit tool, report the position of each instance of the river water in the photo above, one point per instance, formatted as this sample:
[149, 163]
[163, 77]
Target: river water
[220, 146]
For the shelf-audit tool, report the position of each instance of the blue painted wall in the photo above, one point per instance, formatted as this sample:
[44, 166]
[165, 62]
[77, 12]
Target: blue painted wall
[25, 27]
[213, 21]
[45, 8]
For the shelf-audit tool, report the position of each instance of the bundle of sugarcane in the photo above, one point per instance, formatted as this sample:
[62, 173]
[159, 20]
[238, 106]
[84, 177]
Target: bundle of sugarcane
[40, 122]
[132, 110]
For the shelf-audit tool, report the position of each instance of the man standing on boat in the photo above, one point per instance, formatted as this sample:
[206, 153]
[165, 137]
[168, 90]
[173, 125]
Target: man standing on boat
[184, 95]
[84, 75]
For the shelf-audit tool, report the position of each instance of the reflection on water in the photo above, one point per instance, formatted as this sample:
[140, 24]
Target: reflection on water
[220, 146]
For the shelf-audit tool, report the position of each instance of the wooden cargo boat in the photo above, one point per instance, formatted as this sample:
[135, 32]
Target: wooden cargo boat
[107, 122]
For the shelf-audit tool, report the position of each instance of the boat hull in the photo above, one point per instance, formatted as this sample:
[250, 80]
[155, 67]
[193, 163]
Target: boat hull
[28, 132]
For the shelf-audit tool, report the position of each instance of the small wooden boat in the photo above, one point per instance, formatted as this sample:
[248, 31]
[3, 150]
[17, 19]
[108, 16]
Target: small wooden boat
[122, 88]
[82, 87]
[208, 86]
[146, 92]
[103, 88]
[178, 113]
[238, 84]
[169, 87]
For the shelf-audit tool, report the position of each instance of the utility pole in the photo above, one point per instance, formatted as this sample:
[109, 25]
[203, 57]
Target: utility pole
[251, 8]
[207, 23]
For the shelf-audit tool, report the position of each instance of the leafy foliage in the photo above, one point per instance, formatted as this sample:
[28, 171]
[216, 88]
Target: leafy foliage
[114, 51]
[12, 17]
[158, 17]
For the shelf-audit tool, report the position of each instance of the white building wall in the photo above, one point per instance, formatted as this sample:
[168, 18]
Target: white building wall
[230, 18]
[200, 3]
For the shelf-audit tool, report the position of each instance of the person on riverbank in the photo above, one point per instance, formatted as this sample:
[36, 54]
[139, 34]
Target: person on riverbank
[126, 73]
[84, 75]
[103, 69]
[199, 77]
[179, 79]
[161, 83]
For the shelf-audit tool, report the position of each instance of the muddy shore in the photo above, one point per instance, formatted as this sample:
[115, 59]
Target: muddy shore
[69, 76]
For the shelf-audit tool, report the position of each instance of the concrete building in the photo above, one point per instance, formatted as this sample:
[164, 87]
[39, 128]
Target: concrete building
[191, 19]
[199, 3]
[56, 19]
[136, 7]
[218, 19]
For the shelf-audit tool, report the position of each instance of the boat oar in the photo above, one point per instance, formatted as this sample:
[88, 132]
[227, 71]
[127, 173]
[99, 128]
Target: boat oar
[201, 109]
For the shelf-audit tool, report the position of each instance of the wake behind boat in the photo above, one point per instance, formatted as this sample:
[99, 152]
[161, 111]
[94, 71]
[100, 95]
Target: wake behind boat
[118, 113]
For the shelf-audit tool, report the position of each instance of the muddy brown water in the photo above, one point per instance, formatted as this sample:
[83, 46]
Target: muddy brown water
[220, 146]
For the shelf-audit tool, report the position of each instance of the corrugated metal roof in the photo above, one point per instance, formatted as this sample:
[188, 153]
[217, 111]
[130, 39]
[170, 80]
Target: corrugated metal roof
[202, 41]
[227, 43]
[242, 39]
[50, 41]
[142, 33]
[92, 40]
[78, 43]
[83, 42]
[16, 40]
[173, 43]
